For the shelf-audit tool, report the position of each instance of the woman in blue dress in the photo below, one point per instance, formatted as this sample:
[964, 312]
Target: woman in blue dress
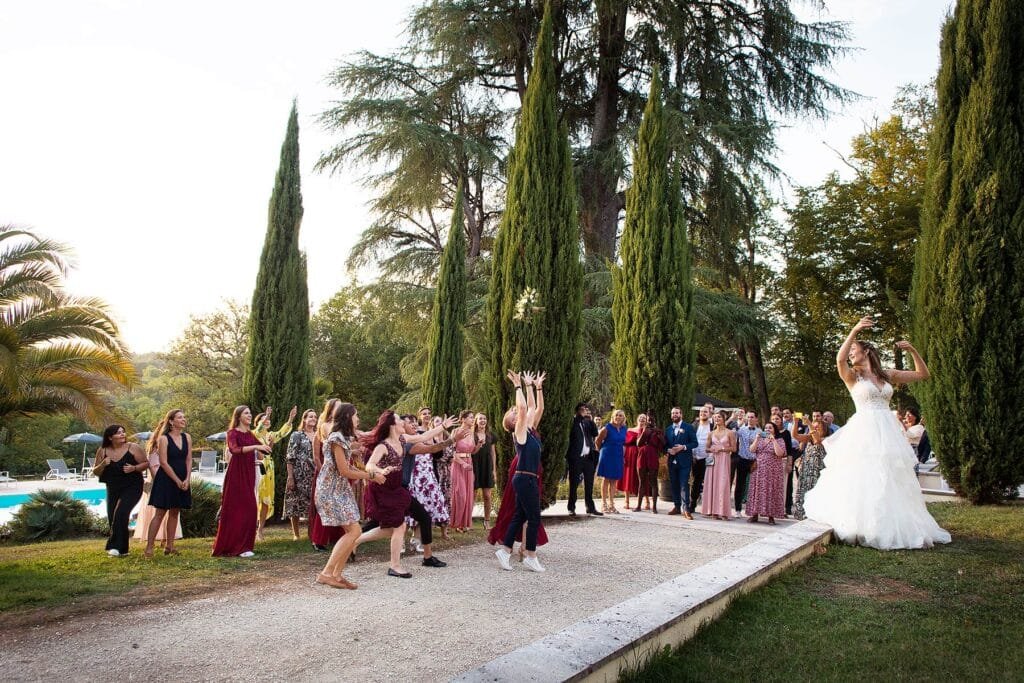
[610, 441]
[171, 491]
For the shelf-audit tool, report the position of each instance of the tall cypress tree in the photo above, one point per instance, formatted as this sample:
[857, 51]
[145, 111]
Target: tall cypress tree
[538, 247]
[969, 275]
[653, 352]
[277, 369]
[443, 390]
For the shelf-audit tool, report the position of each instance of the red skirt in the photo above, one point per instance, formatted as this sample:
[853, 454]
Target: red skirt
[507, 511]
[319, 534]
[629, 482]
[236, 530]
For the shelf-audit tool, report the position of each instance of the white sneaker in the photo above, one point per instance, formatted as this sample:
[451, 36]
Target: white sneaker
[114, 552]
[248, 553]
[503, 558]
[533, 564]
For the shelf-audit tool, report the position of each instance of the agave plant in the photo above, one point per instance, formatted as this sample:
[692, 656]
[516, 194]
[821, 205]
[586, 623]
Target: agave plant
[57, 352]
[49, 515]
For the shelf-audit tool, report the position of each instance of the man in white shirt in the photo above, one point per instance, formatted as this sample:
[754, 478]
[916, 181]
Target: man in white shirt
[700, 455]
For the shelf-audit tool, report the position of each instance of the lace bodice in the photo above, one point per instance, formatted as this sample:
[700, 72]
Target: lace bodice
[867, 396]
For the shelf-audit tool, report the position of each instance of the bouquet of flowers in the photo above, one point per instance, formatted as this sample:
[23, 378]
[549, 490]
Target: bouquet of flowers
[527, 304]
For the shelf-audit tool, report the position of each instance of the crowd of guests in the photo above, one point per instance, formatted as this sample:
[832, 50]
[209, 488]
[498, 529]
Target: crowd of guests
[726, 461]
[417, 472]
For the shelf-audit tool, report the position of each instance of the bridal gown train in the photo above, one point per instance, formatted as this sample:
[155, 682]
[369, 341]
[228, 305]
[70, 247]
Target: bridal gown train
[868, 492]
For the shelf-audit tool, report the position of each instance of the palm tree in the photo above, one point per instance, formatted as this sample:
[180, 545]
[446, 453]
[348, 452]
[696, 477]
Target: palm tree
[58, 353]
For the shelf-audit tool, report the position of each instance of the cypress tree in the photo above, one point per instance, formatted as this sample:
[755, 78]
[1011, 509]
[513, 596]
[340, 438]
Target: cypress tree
[969, 276]
[653, 352]
[538, 247]
[443, 390]
[277, 370]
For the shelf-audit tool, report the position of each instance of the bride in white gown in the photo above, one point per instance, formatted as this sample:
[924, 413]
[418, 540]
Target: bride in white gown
[868, 492]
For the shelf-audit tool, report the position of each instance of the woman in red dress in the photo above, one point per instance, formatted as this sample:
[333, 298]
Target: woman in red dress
[651, 443]
[236, 530]
[630, 484]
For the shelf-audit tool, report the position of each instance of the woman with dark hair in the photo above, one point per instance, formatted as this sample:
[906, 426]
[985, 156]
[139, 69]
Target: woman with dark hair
[868, 492]
[171, 491]
[236, 530]
[319, 535]
[334, 496]
[123, 477]
[522, 420]
[651, 443]
[387, 502]
[811, 462]
[767, 493]
[485, 464]
[462, 475]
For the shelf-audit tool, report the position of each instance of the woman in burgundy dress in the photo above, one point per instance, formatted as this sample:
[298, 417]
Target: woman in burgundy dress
[236, 530]
[387, 503]
[651, 443]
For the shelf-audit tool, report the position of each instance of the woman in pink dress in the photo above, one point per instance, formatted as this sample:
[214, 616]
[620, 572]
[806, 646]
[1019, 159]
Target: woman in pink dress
[715, 501]
[462, 476]
[767, 494]
[236, 530]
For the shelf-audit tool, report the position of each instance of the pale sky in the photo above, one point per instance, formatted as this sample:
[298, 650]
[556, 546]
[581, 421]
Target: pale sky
[146, 135]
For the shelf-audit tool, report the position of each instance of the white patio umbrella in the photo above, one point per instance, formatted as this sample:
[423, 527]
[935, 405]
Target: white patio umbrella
[84, 438]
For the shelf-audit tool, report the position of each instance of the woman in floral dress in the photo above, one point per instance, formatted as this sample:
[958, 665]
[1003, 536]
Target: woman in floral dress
[812, 462]
[443, 470]
[299, 461]
[767, 494]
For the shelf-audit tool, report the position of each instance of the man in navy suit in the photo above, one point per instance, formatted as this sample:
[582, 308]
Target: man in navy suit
[680, 443]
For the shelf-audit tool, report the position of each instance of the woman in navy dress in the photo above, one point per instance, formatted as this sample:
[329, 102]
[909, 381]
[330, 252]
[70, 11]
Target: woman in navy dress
[171, 487]
[522, 420]
[611, 441]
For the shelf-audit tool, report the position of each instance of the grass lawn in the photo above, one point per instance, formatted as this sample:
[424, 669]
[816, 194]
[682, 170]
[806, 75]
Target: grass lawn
[42, 582]
[952, 613]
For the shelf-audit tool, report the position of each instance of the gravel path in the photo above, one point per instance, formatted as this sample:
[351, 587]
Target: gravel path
[436, 625]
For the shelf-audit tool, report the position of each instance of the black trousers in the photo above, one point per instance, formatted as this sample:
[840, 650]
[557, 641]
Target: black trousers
[123, 495]
[700, 468]
[741, 475]
[789, 486]
[418, 513]
[587, 465]
[527, 490]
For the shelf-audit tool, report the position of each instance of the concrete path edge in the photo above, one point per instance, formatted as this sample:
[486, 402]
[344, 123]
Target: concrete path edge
[600, 646]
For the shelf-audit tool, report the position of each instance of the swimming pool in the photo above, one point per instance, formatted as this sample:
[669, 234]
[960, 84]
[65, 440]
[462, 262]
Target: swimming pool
[90, 496]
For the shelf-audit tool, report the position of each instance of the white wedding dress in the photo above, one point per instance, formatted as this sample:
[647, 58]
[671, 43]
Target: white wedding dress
[868, 492]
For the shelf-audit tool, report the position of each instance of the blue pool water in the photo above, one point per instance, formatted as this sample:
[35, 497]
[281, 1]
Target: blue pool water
[90, 496]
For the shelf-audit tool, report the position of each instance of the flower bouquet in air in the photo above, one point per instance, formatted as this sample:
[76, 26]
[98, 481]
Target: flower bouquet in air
[527, 305]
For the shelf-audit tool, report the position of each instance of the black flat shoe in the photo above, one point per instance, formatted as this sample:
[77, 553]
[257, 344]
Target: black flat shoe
[595, 513]
[320, 548]
[433, 562]
[398, 575]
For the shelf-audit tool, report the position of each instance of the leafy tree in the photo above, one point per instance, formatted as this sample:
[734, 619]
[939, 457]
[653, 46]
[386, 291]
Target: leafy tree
[537, 248]
[443, 389]
[969, 274]
[277, 370]
[653, 352]
[847, 251]
[57, 352]
[359, 339]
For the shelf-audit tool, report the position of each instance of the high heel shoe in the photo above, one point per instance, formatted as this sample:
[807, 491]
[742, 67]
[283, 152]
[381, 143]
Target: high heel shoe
[172, 551]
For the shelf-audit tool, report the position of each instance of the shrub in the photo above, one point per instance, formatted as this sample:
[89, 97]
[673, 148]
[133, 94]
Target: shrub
[50, 515]
[201, 520]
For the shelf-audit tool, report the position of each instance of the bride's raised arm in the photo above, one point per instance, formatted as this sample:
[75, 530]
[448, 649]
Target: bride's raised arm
[920, 371]
[843, 355]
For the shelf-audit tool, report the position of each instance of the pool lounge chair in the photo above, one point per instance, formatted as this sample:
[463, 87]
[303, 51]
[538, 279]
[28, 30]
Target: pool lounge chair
[59, 470]
[6, 478]
[87, 470]
[208, 462]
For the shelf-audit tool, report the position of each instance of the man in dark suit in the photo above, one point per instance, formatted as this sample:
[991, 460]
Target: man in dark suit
[581, 458]
[680, 444]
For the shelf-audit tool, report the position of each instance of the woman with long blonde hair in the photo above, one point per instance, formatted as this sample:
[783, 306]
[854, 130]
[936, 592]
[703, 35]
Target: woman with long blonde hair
[171, 490]
[145, 512]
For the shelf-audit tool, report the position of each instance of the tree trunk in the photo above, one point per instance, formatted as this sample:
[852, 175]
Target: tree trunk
[760, 379]
[600, 202]
[741, 356]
